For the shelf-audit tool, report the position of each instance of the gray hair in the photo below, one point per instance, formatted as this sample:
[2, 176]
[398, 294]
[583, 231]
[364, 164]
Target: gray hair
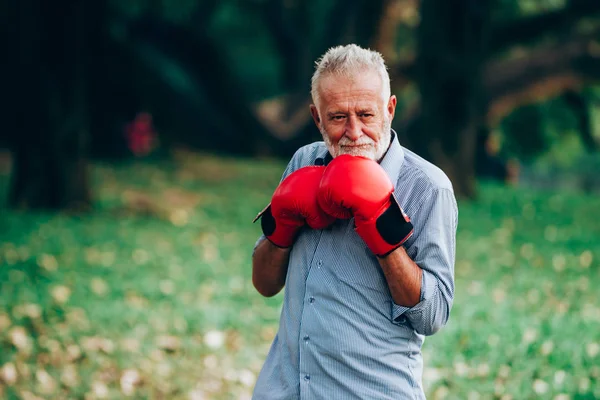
[349, 60]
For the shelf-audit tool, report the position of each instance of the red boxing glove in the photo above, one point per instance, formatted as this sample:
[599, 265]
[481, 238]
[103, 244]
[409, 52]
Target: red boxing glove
[293, 205]
[357, 186]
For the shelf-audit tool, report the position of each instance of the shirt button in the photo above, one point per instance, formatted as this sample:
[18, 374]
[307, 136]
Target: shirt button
[311, 300]
[306, 338]
[307, 377]
[320, 263]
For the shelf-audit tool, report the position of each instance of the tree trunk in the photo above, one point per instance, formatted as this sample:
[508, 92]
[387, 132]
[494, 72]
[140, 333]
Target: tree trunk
[451, 43]
[50, 130]
[578, 104]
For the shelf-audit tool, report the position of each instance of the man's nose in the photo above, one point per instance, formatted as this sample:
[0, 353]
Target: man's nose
[353, 128]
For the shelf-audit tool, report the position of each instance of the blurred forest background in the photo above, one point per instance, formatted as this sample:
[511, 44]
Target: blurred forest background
[141, 137]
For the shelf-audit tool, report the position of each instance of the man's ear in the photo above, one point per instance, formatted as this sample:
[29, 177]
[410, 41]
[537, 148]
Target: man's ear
[391, 106]
[315, 115]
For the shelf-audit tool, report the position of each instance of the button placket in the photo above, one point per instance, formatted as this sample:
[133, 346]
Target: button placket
[313, 284]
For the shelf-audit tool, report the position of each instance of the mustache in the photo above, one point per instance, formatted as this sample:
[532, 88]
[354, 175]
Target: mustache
[363, 140]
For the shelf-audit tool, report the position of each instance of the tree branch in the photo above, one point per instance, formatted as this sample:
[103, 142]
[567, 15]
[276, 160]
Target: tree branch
[529, 29]
[540, 74]
[522, 31]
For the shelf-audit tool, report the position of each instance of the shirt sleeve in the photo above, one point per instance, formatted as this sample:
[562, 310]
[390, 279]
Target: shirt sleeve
[434, 251]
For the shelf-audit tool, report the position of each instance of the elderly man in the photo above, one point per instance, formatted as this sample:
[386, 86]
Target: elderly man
[361, 232]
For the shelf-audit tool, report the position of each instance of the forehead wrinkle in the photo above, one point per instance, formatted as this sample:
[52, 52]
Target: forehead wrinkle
[361, 98]
[358, 106]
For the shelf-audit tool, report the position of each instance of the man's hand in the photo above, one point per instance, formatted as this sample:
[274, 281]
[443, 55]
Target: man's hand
[293, 205]
[359, 187]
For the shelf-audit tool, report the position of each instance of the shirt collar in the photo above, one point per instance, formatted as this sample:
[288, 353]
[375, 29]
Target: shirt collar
[391, 163]
[393, 159]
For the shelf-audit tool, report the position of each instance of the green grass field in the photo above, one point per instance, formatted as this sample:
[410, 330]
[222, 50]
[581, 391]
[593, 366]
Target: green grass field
[150, 296]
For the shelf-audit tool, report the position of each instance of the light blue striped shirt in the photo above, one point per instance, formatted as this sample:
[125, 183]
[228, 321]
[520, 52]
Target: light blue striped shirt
[340, 335]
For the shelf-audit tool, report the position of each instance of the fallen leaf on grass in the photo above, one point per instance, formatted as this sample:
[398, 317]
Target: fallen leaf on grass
[8, 374]
[167, 287]
[23, 370]
[529, 336]
[95, 344]
[99, 286]
[168, 343]
[586, 258]
[30, 310]
[136, 300]
[69, 377]
[130, 345]
[20, 339]
[100, 390]
[267, 333]
[48, 262]
[540, 387]
[46, 382]
[5, 322]
[234, 341]
[592, 349]
[197, 394]
[181, 199]
[140, 256]
[77, 317]
[179, 217]
[214, 339]
[73, 353]
[129, 380]
[61, 294]
[247, 378]
[211, 362]
[559, 377]
[584, 384]
[27, 395]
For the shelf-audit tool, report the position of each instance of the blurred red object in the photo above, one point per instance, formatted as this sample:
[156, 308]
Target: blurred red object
[141, 136]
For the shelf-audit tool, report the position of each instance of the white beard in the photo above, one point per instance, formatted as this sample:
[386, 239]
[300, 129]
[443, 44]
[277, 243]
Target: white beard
[368, 147]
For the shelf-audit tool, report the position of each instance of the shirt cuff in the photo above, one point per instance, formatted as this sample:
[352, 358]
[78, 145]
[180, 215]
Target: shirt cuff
[258, 241]
[428, 288]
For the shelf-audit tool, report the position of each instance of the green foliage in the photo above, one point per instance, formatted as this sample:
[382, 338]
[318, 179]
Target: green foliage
[547, 132]
[150, 296]
[245, 41]
[524, 132]
[511, 9]
[527, 7]
[179, 11]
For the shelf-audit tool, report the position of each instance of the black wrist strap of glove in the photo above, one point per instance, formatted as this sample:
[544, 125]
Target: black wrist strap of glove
[394, 225]
[267, 222]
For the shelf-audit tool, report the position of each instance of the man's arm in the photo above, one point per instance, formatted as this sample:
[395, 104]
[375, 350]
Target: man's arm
[269, 268]
[433, 253]
[403, 277]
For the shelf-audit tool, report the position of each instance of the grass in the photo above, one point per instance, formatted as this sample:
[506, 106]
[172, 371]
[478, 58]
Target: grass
[150, 296]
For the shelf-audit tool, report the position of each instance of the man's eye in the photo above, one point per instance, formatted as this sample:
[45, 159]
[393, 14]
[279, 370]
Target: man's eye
[338, 117]
[366, 115]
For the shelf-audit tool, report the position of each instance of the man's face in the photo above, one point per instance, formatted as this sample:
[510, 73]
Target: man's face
[352, 115]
